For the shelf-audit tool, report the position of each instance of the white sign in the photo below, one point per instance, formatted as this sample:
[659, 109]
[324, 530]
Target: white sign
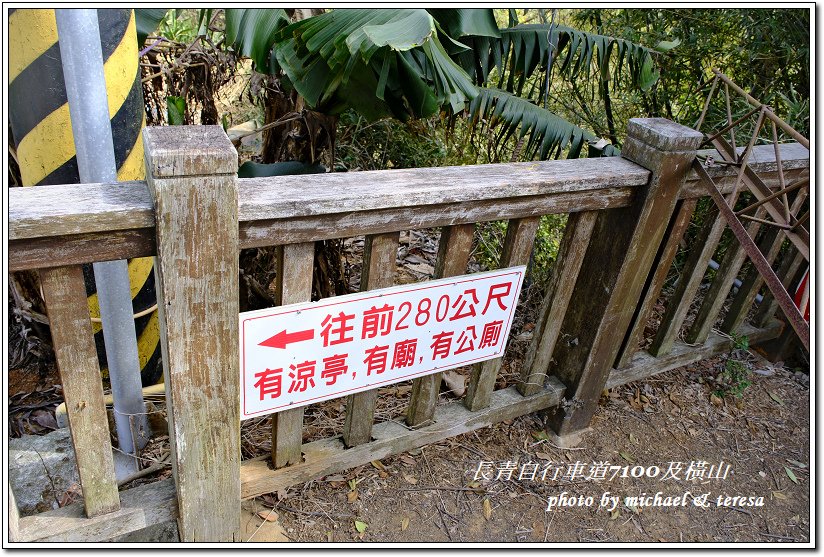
[295, 355]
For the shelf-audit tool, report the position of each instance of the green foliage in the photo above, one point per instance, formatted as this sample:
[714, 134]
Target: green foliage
[380, 62]
[548, 135]
[411, 63]
[735, 378]
[766, 51]
[490, 239]
[388, 143]
[179, 25]
[523, 50]
[175, 110]
[252, 33]
[146, 21]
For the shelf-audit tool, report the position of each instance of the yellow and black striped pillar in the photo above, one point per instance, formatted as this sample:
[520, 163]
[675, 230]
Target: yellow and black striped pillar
[41, 126]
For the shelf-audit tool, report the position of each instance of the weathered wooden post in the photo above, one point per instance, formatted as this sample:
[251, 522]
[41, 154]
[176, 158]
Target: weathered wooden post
[621, 251]
[192, 176]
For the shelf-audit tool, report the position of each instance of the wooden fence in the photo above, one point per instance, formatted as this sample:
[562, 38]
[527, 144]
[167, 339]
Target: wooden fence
[627, 216]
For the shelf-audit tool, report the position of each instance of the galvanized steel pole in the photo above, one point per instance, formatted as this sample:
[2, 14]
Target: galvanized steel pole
[82, 59]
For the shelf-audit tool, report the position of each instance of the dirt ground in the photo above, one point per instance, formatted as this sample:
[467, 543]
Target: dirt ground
[442, 493]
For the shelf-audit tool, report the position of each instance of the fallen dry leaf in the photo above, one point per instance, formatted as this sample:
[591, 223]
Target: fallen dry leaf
[487, 509]
[410, 479]
[455, 382]
[626, 456]
[404, 524]
[268, 516]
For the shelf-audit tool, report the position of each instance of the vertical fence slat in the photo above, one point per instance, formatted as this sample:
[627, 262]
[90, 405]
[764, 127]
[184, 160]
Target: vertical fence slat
[688, 283]
[520, 237]
[191, 171]
[294, 283]
[620, 255]
[453, 257]
[790, 265]
[771, 246]
[713, 301]
[380, 252]
[679, 225]
[64, 290]
[564, 274]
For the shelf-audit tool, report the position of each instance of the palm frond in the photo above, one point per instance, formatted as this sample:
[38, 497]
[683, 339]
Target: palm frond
[546, 134]
[524, 49]
[381, 62]
[251, 31]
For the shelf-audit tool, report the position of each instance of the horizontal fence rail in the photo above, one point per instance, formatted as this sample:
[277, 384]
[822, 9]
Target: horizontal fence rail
[64, 225]
[627, 221]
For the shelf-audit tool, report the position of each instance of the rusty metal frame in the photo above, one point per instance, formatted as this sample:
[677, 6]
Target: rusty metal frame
[801, 327]
[775, 204]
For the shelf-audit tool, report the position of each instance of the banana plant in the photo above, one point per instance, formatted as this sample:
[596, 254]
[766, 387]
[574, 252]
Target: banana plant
[412, 63]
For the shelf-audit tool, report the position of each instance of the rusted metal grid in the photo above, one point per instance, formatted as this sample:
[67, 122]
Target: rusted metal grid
[769, 208]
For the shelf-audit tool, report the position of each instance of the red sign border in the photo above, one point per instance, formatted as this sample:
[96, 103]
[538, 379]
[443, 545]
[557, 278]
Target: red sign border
[334, 301]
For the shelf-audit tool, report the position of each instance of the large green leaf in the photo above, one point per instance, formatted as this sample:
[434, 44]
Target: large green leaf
[462, 22]
[146, 21]
[524, 49]
[381, 62]
[252, 33]
[546, 135]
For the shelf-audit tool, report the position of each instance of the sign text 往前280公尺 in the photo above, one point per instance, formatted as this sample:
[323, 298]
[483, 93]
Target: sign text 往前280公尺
[295, 355]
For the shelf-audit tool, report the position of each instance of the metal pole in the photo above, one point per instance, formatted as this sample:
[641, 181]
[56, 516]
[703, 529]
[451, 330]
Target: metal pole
[82, 59]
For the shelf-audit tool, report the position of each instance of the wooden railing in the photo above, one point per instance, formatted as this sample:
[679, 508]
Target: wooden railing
[627, 216]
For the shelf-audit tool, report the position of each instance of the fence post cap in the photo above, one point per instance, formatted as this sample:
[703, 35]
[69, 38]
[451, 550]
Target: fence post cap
[664, 134]
[173, 151]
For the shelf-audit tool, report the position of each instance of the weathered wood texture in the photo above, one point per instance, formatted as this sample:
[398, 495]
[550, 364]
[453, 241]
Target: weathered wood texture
[64, 290]
[695, 267]
[378, 271]
[565, 270]
[644, 365]
[71, 209]
[140, 507]
[191, 174]
[713, 301]
[62, 227]
[294, 284]
[453, 257]
[621, 251]
[74, 249]
[270, 232]
[520, 237]
[329, 456]
[660, 269]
